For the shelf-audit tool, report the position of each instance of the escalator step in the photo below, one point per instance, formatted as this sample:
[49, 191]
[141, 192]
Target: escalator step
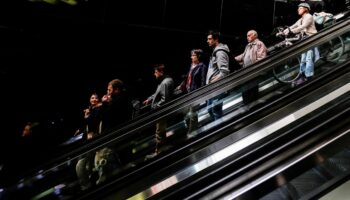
[339, 163]
[276, 194]
[308, 181]
[285, 192]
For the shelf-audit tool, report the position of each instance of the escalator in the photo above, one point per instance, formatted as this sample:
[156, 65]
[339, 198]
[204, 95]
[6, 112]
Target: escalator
[306, 159]
[184, 147]
[242, 154]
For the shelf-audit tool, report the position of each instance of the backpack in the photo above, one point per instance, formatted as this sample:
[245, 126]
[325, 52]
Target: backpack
[233, 64]
[323, 19]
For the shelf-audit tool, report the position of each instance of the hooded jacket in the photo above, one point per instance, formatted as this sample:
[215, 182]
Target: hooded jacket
[218, 63]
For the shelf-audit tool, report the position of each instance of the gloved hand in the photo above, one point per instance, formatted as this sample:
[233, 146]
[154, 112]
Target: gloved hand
[286, 31]
[279, 34]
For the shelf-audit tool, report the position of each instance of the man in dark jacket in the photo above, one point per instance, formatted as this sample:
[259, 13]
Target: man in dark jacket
[116, 106]
[116, 109]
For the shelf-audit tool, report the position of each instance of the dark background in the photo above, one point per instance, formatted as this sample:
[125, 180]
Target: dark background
[53, 56]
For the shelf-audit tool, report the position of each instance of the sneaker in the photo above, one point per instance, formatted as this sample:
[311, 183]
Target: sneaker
[86, 186]
[299, 81]
[101, 180]
[150, 156]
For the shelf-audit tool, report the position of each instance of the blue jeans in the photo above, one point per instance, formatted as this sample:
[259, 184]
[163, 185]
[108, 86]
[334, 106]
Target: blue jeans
[307, 61]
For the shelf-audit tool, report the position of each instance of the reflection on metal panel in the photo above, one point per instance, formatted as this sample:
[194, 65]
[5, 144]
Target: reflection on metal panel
[231, 103]
[280, 169]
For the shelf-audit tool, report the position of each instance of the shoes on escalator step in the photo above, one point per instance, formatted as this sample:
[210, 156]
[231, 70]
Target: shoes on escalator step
[150, 156]
[86, 186]
[101, 179]
[299, 81]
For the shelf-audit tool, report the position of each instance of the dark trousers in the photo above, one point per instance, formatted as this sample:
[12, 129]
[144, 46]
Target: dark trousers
[160, 134]
[250, 91]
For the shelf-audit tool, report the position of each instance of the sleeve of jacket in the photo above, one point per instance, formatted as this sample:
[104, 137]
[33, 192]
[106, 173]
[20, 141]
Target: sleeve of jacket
[295, 25]
[262, 51]
[204, 70]
[222, 62]
[150, 98]
[182, 85]
[239, 58]
[307, 21]
[166, 92]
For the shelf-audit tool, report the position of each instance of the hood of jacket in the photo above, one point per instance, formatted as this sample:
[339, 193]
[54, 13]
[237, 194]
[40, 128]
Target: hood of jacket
[222, 46]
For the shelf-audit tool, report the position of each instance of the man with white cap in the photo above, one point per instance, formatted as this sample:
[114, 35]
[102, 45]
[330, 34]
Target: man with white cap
[306, 26]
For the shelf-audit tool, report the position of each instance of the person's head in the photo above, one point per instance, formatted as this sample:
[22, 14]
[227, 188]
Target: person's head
[94, 100]
[303, 8]
[27, 130]
[159, 71]
[213, 38]
[196, 55]
[252, 35]
[115, 87]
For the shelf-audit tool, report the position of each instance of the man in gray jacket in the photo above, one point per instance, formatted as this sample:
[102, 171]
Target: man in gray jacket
[219, 61]
[163, 94]
[217, 69]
